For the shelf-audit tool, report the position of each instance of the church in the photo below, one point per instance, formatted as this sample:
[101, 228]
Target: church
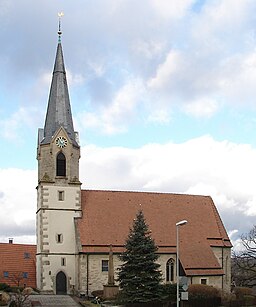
[76, 227]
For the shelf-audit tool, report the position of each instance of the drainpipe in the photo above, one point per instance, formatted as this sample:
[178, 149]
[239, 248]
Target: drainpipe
[222, 268]
[87, 277]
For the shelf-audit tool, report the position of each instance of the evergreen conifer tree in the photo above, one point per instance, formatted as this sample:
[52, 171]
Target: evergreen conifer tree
[139, 275]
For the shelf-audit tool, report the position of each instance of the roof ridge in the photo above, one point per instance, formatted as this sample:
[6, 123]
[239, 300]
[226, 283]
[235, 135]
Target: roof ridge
[19, 244]
[145, 192]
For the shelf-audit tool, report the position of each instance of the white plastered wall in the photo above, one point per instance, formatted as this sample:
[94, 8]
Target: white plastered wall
[57, 218]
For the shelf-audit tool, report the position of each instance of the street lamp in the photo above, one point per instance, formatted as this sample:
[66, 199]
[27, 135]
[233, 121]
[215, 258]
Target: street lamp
[181, 223]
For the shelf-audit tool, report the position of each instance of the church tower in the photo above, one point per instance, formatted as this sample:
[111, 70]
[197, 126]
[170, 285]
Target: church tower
[59, 189]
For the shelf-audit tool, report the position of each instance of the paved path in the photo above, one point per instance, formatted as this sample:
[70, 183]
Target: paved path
[53, 300]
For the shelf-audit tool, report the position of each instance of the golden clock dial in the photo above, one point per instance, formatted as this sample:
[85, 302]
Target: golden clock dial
[61, 142]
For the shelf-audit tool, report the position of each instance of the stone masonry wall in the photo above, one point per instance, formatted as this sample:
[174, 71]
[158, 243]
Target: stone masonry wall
[97, 278]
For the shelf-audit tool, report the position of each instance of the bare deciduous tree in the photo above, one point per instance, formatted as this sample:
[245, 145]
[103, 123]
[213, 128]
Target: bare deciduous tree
[19, 298]
[244, 262]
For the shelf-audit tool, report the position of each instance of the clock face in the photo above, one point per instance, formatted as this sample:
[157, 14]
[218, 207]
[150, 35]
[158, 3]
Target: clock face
[61, 142]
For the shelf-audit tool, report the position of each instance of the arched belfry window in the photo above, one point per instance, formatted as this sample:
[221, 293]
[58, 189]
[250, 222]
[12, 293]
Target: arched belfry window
[61, 165]
[170, 270]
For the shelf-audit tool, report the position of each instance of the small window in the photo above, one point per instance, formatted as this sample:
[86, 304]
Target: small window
[203, 281]
[104, 265]
[59, 238]
[61, 195]
[26, 255]
[63, 261]
[25, 274]
[6, 274]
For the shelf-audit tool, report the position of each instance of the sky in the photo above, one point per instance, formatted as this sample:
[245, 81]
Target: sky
[162, 94]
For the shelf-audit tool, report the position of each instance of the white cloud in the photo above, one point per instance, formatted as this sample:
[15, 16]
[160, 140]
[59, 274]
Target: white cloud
[225, 14]
[161, 116]
[97, 68]
[178, 54]
[208, 64]
[251, 206]
[74, 79]
[203, 107]
[12, 126]
[45, 79]
[237, 79]
[169, 71]
[237, 243]
[172, 9]
[18, 204]
[115, 117]
[19, 239]
[149, 48]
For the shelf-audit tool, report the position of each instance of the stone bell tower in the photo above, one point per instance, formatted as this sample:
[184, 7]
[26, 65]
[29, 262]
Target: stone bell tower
[59, 189]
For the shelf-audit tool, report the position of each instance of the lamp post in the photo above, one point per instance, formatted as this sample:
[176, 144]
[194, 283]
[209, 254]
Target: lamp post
[181, 223]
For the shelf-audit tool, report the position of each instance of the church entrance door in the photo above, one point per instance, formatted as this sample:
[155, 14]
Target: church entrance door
[61, 283]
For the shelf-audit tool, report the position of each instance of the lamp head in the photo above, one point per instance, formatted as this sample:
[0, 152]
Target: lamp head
[183, 222]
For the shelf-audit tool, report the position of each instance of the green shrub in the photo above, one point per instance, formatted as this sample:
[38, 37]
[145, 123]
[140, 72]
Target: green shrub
[202, 291]
[240, 292]
[227, 297]
[5, 287]
[168, 292]
[249, 300]
[17, 289]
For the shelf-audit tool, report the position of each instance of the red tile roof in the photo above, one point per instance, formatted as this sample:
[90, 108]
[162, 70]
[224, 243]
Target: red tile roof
[13, 261]
[108, 215]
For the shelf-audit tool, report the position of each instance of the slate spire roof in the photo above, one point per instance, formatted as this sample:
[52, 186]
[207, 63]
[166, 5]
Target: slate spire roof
[59, 109]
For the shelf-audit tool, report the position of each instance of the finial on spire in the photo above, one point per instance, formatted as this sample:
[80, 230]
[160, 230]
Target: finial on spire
[61, 14]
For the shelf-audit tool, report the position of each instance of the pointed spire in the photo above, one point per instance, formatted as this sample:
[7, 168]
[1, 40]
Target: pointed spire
[59, 109]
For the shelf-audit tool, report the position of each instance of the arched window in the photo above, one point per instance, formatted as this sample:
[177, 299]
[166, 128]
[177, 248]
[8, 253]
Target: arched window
[170, 270]
[61, 165]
